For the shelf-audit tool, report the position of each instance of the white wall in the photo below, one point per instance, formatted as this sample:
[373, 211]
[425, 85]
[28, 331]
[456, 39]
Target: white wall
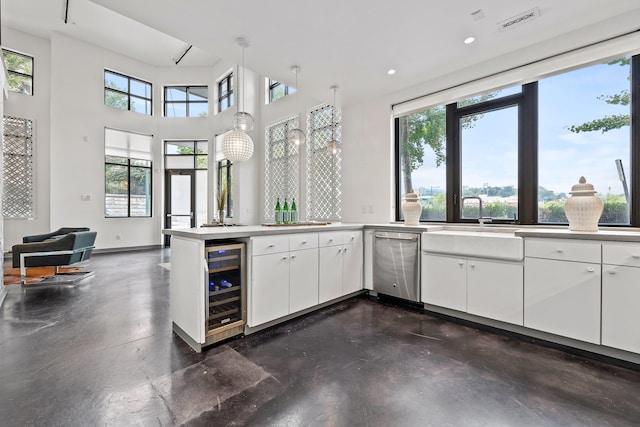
[34, 107]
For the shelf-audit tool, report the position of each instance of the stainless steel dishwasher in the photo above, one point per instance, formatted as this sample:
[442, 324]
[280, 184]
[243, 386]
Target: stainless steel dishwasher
[396, 264]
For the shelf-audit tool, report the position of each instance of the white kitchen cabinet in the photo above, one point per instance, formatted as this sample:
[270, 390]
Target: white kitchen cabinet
[340, 264]
[269, 287]
[444, 281]
[286, 281]
[563, 298]
[368, 259]
[303, 279]
[621, 296]
[495, 290]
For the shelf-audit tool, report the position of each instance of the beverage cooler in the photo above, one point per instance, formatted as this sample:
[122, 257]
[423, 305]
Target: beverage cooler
[225, 292]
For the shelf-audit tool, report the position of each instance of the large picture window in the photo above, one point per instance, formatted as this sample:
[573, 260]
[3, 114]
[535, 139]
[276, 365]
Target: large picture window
[128, 181]
[127, 93]
[186, 101]
[517, 152]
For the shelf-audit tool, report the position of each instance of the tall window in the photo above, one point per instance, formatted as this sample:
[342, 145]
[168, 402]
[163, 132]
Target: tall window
[127, 174]
[324, 164]
[519, 151]
[225, 92]
[17, 158]
[224, 178]
[191, 154]
[277, 90]
[19, 71]
[127, 93]
[282, 165]
[186, 101]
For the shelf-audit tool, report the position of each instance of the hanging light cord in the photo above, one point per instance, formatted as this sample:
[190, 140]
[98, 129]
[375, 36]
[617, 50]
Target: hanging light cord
[243, 84]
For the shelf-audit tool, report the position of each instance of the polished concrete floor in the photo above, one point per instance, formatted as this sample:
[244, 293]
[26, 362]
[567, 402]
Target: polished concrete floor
[102, 354]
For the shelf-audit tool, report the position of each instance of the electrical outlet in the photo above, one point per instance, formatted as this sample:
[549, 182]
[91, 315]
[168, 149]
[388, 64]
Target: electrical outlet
[370, 209]
[85, 197]
[364, 209]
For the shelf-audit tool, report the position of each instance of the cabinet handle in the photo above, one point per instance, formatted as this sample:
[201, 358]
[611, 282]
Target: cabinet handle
[473, 266]
[331, 240]
[293, 257]
[284, 258]
[460, 263]
[636, 256]
[352, 237]
[304, 242]
[271, 245]
[345, 249]
[612, 272]
[339, 250]
[559, 250]
[590, 270]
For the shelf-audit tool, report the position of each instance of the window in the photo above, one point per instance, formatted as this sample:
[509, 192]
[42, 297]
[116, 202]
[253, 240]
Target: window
[324, 160]
[278, 90]
[191, 154]
[19, 71]
[17, 158]
[127, 174]
[519, 151]
[225, 175]
[281, 165]
[127, 93]
[186, 101]
[225, 92]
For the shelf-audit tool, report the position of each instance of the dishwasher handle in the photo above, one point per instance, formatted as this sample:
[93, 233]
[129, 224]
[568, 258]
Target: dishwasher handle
[396, 236]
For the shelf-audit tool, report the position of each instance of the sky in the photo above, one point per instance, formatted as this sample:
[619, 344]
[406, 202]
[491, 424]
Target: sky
[489, 151]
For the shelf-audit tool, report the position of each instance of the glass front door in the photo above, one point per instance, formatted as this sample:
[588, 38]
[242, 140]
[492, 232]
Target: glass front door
[180, 200]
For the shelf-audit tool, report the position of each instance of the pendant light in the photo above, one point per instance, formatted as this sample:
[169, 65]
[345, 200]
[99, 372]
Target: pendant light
[296, 136]
[237, 145]
[334, 146]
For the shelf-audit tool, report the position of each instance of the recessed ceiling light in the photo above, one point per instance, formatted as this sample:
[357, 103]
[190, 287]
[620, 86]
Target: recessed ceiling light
[469, 40]
[391, 71]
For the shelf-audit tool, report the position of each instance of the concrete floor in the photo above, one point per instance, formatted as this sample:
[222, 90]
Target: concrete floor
[102, 354]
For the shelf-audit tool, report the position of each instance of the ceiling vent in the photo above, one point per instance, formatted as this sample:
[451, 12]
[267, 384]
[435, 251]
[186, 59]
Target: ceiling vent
[519, 19]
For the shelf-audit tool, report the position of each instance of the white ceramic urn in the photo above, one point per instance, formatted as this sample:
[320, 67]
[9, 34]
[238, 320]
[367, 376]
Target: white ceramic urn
[411, 209]
[583, 208]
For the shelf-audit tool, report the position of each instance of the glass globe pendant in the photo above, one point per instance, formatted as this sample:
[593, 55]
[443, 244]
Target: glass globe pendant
[296, 136]
[243, 121]
[237, 146]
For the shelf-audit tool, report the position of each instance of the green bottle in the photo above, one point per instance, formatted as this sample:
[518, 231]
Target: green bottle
[278, 212]
[294, 212]
[286, 214]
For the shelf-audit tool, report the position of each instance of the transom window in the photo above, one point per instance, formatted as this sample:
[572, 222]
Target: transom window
[278, 90]
[19, 71]
[225, 92]
[186, 101]
[127, 93]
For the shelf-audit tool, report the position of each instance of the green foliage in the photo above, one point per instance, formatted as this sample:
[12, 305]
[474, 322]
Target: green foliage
[19, 64]
[116, 99]
[435, 209]
[615, 211]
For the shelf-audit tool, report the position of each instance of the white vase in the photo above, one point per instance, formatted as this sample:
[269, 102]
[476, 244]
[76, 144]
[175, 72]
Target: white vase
[411, 209]
[583, 208]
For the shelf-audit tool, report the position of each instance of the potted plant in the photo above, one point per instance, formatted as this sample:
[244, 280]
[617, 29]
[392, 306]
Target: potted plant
[221, 202]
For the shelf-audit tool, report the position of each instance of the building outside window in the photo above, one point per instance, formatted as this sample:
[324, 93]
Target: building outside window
[519, 150]
[282, 165]
[19, 71]
[225, 93]
[277, 90]
[128, 185]
[224, 177]
[127, 93]
[186, 101]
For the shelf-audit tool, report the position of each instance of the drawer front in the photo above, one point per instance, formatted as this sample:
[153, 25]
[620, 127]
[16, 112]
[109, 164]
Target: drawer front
[269, 244]
[621, 254]
[353, 236]
[563, 250]
[330, 239]
[303, 241]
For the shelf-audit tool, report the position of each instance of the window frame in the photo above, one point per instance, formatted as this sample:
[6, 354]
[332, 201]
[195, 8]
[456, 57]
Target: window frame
[17, 73]
[228, 97]
[128, 92]
[226, 165]
[272, 84]
[527, 153]
[187, 102]
[130, 166]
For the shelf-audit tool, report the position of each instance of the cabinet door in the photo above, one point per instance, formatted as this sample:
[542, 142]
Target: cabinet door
[444, 281]
[621, 307]
[495, 291]
[563, 298]
[368, 259]
[269, 288]
[330, 273]
[352, 260]
[303, 279]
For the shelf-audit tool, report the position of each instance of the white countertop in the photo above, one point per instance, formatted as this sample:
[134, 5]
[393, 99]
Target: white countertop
[239, 231]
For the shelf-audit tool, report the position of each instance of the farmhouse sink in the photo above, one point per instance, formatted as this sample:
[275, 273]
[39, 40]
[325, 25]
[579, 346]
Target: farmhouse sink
[495, 244]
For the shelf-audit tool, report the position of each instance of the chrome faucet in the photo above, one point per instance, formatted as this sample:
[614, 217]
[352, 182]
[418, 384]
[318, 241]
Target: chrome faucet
[482, 220]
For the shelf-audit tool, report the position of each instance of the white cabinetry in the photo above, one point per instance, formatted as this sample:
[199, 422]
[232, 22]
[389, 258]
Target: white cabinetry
[284, 276]
[486, 288]
[562, 288]
[340, 264]
[621, 296]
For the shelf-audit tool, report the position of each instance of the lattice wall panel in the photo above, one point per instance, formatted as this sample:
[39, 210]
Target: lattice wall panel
[17, 154]
[324, 167]
[282, 165]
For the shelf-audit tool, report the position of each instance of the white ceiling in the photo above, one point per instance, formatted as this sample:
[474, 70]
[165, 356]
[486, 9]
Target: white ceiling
[349, 43]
